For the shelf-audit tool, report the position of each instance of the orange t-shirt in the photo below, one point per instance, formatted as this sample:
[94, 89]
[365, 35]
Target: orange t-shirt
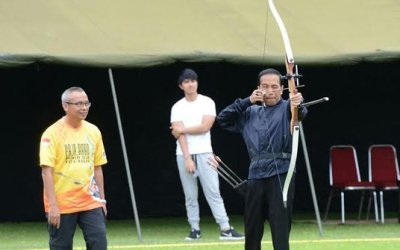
[73, 154]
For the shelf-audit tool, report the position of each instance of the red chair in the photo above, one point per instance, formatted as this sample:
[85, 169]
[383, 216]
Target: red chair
[344, 175]
[383, 170]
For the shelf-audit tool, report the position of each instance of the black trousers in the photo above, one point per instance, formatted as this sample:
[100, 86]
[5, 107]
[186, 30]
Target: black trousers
[264, 201]
[92, 223]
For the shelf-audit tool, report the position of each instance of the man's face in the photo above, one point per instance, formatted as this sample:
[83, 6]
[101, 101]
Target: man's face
[189, 86]
[270, 85]
[77, 106]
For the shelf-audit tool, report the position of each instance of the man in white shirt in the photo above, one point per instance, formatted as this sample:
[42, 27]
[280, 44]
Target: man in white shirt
[191, 120]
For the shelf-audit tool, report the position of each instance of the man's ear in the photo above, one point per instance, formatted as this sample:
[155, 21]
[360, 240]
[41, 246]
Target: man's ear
[65, 106]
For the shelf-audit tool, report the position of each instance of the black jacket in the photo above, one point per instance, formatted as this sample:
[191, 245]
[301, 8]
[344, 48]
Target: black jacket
[266, 132]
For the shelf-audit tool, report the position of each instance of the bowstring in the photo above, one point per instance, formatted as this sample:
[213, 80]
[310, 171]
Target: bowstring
[273, 153]
[268, 130]
[265, 34]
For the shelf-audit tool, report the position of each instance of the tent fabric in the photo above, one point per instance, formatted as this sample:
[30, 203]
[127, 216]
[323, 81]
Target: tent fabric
[134, 33]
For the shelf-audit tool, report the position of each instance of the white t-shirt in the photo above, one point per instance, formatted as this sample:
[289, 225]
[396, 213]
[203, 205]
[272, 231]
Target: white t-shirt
[191, 114]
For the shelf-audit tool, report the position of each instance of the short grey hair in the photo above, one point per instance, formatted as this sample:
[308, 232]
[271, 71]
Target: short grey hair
[67, 92]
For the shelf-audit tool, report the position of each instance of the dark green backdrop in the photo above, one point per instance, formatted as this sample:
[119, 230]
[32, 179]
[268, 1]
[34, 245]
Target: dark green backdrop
[362, 111]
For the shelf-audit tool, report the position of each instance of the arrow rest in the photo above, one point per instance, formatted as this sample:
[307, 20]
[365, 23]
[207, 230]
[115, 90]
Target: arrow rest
[296, 76]
[298, 86]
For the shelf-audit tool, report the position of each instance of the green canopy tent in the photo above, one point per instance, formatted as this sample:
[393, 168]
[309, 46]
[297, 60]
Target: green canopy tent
[133, 33]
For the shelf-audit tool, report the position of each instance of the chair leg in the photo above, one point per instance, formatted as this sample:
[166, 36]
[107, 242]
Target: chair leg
[369, 204]
[361, 205]
[398, 205]
[328, 205]
[382, 207]
[373, 195]
[376, 208]
[342, 205]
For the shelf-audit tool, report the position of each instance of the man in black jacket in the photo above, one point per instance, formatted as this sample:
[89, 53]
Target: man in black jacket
[266, 131]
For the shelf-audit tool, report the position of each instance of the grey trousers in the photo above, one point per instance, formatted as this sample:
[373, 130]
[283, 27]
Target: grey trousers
[208, 178]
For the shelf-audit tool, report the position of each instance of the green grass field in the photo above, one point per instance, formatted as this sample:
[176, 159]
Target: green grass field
[169, 233]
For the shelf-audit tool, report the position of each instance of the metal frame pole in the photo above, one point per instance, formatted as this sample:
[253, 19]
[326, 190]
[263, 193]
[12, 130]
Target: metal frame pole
[128, 172]
[310, 178]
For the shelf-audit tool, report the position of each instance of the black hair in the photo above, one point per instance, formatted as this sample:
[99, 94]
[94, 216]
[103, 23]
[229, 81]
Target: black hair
[187, 74]
[272, 72]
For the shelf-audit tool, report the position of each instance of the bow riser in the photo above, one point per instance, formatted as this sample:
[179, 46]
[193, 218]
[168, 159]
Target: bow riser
[293, 90]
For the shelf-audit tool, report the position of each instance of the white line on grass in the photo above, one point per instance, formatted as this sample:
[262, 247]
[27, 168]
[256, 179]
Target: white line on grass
[150, 246]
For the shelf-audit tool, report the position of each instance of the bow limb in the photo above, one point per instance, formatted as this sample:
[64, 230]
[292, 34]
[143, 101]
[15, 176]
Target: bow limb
[292, 164]
[294, 122]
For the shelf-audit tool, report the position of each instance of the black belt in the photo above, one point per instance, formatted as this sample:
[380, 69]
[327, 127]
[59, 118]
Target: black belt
[280, 155]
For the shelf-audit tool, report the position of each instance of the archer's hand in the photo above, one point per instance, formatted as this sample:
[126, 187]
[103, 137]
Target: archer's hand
[296, 99]
[257, 96]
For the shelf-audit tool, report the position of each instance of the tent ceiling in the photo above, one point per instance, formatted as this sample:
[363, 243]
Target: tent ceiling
[133, 33]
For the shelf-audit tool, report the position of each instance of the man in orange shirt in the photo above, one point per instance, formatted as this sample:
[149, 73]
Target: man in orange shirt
[71, 157]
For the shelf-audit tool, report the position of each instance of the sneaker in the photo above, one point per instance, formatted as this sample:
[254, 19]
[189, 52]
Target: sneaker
[231, 234]
[194, 235]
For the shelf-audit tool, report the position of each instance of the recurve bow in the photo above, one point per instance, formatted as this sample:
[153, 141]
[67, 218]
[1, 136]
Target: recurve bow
[294, 122]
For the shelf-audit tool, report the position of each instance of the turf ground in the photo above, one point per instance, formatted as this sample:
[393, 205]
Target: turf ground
[169, 234]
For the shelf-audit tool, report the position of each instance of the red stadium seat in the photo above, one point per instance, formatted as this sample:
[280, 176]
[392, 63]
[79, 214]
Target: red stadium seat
[344, 175]
[383, 170]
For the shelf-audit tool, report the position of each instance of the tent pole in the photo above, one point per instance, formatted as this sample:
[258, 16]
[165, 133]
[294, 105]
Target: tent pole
[128, 172]
[310, 178]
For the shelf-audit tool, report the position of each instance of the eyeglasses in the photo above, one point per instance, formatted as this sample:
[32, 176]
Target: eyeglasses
[80, 104]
